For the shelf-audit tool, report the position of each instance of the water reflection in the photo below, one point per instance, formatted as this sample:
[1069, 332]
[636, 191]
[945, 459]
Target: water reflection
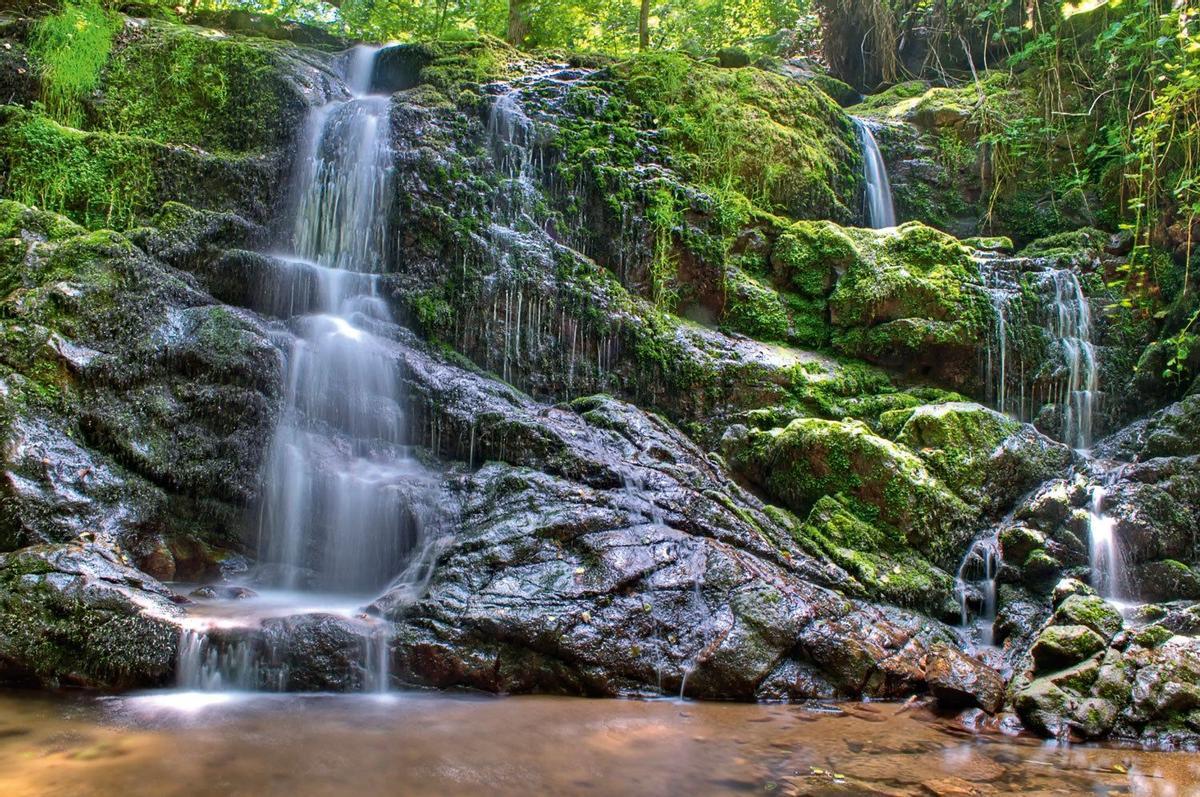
[181, 743]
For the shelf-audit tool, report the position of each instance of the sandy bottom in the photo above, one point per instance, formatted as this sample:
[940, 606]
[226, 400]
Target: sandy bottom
[194, 743]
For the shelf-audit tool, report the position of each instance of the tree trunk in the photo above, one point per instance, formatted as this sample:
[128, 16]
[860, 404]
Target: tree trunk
[644, 26]
[518, 22]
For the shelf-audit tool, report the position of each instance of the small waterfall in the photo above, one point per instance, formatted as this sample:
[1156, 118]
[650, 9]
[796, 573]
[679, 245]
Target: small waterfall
[338, 506]
[204, 667]
[1020, 380]
[879, 210]
[975, 586]
[1107, 562]
[1072, 319]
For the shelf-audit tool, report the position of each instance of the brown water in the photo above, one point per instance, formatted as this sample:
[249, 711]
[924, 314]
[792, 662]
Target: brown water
[417, 744]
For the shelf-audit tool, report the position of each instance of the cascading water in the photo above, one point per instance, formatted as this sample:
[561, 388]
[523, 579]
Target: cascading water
[336, 510]
[879, 210]
[344, 505]
[1107, 563]
[1073, 327]
[975, 587]
[1020, 382]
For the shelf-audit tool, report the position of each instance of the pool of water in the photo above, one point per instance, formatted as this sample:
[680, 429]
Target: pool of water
[178, 743]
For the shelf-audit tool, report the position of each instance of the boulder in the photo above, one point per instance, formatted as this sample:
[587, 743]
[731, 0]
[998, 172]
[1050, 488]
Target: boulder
[812, 457]
[958, 681]
[79, 615]
[1061, 646]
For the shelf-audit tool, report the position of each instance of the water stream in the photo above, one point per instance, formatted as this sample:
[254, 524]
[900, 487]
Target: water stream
[878, 207]
[344, 504]
[1104, 552]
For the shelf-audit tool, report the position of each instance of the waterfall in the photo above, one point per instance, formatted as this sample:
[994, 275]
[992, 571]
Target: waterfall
[1019, 380]
[1107, 563]
[879, 211]
[1072, 327]
[975, 585]
[337, 510]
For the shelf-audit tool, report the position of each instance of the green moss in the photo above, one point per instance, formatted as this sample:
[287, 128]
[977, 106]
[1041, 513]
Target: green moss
[189, 86]
[1061, 646]
[812, 458]
[59, 638]
[754, 309]
[809, 255]
[777, 142]
[957, 442]
[1152, 636]
[874, 553]
[891, 97]
[96, 179]
[106, 180]
[70, 49]
[16, 218]
[1091, 611]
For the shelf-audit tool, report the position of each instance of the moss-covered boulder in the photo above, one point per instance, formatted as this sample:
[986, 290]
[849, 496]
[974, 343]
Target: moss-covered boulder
[1091, 611]
[109, 180]
[907, 298]
[878, 558]
[988, 458]
[811, 458]
[1061, 646]
[79, 615]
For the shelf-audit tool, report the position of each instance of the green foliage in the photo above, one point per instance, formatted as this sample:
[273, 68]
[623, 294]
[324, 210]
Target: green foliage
[611, 26]
[185, 86]
[96, 179]
[71, 48]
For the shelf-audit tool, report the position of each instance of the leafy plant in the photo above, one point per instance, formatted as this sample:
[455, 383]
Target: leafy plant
[71, 48]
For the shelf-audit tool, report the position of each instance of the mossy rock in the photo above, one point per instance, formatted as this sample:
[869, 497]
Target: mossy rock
[1091, 611]
[78, 615]
[104, 180]
[1018, 542]
[181, 85]
[987, 458]
[1061, 646]
[811, 458]
[875, 554]
[809, 256]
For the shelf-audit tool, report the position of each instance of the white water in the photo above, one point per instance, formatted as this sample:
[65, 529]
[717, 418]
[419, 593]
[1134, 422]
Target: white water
[1072, 326]
[880, 212]
[338, 510]
[345, 508]
[1069, 378]
[1107, 562]
[975, 587]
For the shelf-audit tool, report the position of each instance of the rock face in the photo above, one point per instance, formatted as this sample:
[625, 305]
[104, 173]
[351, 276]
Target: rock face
[655, 572]
[684, 433]
[958, 681]
[78, 615]
[124, 383]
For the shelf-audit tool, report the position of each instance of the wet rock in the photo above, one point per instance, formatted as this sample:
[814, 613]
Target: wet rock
[222, 592]
[1171, 432]
[957, 680]
[172, 392]
[79, 615]
[1018, 542]
[1090, 611]
[1062, 646]
[550, 583]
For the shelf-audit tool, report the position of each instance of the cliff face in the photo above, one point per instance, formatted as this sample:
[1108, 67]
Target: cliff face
[684, 427]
